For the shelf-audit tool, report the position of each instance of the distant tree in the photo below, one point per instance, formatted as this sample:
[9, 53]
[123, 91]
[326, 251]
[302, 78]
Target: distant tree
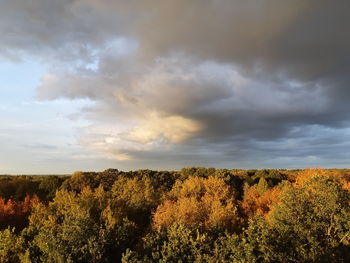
[80, 180]
[107, 178]
[236, 181]
[304, 176]
[48, 187]
[196, 171]
[275, 174]
[260, 174]
[17, 187]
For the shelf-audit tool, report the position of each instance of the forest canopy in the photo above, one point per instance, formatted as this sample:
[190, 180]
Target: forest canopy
[193, 215]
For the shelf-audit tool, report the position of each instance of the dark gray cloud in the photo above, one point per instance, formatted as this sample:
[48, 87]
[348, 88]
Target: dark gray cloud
[264, 82]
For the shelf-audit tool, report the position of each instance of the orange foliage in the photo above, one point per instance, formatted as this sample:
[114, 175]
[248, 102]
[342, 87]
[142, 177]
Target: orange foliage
[342, 177]
[253, 203]
[199, 202]
[307, 174]
[346, 185]
[15, 214]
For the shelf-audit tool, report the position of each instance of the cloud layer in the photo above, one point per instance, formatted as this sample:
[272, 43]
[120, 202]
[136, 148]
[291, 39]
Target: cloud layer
[214, 82]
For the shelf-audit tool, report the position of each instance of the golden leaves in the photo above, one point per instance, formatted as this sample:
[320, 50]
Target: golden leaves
[199, 202]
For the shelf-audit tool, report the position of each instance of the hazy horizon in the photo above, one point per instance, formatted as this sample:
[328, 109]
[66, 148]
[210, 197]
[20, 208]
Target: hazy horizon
[159, 84]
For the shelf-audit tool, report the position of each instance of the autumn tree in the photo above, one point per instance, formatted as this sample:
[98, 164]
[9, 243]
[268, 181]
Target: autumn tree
[261, 202]
[138, 196]
[310, 223]
[199, 202]
[307, 174]
[15, 213]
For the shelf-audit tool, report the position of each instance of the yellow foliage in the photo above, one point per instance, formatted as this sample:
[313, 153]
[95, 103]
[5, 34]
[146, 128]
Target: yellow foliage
[136, 192]
[199, 202]
[346, 185]
[343, 177]
[306, 174]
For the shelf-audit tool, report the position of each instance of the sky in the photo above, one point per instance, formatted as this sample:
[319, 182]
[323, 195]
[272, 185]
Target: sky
[161, 84]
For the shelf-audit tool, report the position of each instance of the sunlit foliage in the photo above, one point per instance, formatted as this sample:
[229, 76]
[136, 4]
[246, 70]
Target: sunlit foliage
[208, 203]
[255, 203]
[310, 223]
[138, 196]
[194, 215]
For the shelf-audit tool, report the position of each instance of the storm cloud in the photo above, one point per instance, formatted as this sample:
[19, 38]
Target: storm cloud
[213, 82]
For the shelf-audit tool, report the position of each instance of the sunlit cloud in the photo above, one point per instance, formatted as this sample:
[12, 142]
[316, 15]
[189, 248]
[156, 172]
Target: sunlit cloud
[176, 80]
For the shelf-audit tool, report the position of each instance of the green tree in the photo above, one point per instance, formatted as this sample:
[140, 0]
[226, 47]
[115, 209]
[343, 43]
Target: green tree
[80, 180]
[85, 227]
[196, 171]
[311, 223]
[176, 244]
[48, 187]
[11, 246]
[262, 186]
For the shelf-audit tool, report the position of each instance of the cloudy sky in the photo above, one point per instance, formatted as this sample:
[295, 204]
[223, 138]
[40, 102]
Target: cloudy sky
[163, 84]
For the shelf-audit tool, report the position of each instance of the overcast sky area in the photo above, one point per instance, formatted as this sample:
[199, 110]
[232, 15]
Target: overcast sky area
[164, 84]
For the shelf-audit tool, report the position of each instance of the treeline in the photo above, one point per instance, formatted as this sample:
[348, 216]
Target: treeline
[192, 215]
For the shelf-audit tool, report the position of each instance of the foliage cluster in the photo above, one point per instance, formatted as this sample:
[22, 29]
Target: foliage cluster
[193, 215]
